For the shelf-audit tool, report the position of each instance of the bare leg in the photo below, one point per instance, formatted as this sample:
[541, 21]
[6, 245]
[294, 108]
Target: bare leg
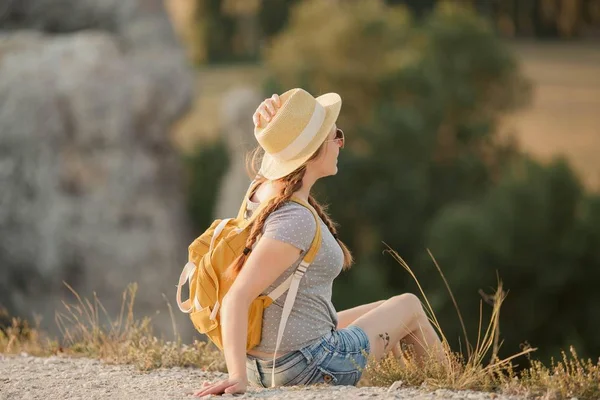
[350, 315]
[347, 317]
[400, 318]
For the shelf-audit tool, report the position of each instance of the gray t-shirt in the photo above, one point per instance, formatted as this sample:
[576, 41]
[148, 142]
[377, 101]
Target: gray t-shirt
[313, 313]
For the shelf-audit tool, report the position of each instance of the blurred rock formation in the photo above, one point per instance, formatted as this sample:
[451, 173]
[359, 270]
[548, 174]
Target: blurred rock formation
[91, 189]
[237, 107]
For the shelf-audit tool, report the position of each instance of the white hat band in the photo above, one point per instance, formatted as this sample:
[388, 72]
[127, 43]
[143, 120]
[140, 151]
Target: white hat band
[305, 137]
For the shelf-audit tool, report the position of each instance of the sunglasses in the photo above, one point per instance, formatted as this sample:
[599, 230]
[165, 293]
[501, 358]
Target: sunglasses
[339, 137]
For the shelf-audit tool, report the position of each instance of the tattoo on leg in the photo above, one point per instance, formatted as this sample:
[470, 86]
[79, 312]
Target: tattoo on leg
[386, 340]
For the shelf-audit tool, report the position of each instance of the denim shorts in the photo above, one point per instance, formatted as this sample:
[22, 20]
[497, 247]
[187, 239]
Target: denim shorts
[336, 358]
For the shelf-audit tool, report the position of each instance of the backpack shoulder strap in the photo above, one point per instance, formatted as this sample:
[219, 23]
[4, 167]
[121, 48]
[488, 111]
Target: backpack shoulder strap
[253, 186]
[308, 257]
[293, 283]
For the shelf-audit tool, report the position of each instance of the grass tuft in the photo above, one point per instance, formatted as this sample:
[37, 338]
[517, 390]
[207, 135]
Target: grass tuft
[480, 368]
[565, 379]
[87, 330]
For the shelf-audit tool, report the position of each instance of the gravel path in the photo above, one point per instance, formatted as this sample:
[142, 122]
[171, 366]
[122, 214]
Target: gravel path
[26, 377]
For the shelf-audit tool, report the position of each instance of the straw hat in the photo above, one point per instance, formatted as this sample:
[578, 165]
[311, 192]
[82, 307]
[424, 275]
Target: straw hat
[296, 131]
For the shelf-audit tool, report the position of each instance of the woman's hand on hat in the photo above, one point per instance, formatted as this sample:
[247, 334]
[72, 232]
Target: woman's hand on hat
[267, 110]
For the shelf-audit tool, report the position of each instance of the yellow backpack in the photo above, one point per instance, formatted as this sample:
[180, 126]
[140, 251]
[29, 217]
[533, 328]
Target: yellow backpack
[209, 257]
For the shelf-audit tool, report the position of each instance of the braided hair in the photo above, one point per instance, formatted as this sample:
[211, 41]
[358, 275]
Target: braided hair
[291, 184]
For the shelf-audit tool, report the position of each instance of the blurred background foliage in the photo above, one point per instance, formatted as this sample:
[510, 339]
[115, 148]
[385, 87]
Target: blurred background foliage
[236, 30]
[206, 167]
[425, 86]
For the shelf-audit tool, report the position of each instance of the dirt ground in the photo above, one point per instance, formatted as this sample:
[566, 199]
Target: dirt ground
[26, 377]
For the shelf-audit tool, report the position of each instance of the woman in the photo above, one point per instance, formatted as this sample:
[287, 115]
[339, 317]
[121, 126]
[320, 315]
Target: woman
[301, 143]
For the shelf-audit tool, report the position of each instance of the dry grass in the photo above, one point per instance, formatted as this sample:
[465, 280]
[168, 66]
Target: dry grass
[125, 340]
[565, 379]
[570, 377]
[88, 331]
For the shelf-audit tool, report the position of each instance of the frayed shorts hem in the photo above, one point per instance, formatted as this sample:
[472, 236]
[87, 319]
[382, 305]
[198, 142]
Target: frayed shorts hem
[336, 358]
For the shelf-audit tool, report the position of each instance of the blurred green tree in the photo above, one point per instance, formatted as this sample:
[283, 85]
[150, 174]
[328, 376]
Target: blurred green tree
[545, 18]
[421, 105]
[540, 231]
[527, 18]
[236, 30]
[423, 101]
[205, 169]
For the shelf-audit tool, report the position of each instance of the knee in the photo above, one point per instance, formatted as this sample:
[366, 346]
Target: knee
[410, 303]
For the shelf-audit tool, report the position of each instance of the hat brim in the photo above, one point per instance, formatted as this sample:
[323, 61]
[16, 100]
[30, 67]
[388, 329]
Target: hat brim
[272, 168]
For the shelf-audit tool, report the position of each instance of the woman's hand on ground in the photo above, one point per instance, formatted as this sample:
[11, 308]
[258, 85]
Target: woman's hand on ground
[267, 110]
[227, 386]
